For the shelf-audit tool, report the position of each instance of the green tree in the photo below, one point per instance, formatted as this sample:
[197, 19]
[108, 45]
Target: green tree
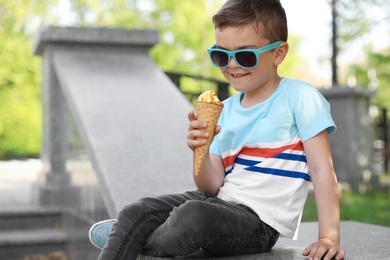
[113, 13]
[185, 28]
[355, 19]
[19, 98]
[358, 19]
[187, 31]
[374, 73]
[20, 124]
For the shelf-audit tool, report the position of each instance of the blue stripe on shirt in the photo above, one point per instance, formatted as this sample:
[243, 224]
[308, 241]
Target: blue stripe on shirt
[278, 172]
[246, 162]
[292, 157]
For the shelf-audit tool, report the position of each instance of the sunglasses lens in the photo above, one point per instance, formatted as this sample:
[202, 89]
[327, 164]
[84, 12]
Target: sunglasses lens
[219, 58]
[246, 58]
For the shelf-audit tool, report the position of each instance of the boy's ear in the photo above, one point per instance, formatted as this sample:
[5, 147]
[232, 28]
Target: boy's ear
[280, 53]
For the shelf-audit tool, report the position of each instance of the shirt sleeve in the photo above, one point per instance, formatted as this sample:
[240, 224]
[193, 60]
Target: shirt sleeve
[312, 113]
[214, 149]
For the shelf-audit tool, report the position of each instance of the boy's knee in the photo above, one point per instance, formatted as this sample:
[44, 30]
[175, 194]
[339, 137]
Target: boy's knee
[193, 215]
[135, 209]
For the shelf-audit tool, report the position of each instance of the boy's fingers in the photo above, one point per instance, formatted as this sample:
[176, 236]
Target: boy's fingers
[340, 255]
[331, 253]
[313, 252]
[197, 133]
[195, 124]
[191, 115]
[307, 250]
[217, 129]
[196, 142]
[193, 142]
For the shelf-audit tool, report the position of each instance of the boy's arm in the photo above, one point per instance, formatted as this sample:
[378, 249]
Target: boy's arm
[319, 159]
[212, 172]
[211, 175]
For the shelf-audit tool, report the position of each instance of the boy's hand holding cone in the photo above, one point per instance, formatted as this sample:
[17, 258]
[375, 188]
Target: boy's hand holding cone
[209, 109]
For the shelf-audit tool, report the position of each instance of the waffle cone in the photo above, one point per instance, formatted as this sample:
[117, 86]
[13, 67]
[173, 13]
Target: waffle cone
[209, 113]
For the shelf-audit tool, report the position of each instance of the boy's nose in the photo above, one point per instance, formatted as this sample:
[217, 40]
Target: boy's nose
[232, 63]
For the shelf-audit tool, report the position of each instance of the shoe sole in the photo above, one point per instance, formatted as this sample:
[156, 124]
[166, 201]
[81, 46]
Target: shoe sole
[92, 228]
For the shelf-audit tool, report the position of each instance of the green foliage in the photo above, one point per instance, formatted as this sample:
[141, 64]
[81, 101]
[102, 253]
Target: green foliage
[22, 15]
[19, 98]
[186, 31]
[376, 69]
[20, 126]
[349, 27]
[294, 65]
[356, 18]
[113, 13]
[371, 208]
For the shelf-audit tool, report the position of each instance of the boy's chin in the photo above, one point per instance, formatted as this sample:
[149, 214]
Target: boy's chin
[238, 88]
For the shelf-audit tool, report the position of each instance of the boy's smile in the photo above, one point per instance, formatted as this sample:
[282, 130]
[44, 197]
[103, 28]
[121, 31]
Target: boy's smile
[260, 82]
[239, 75]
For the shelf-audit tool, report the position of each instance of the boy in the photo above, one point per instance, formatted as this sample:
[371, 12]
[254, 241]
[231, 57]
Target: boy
[254, 181]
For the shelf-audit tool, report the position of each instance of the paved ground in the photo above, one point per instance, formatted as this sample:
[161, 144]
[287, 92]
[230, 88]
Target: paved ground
[17, 179]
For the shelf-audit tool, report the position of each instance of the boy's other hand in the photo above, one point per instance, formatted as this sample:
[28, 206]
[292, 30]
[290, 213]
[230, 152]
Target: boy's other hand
[324, 249]
[197, 137]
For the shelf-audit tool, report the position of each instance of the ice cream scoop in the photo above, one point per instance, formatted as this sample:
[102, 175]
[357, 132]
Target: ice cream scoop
[210, 97]
[209, 108]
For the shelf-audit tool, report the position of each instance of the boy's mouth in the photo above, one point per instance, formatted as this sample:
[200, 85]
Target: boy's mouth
[239, 75]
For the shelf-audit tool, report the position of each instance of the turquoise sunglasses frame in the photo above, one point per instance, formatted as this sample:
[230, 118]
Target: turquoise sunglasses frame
[231, 54]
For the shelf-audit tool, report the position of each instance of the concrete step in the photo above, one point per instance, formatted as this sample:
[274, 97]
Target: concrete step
[29, 231]
[29, 217]
[17, 244]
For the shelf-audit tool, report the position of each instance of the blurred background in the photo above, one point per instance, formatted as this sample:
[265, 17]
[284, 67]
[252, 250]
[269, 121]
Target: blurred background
[343, 42]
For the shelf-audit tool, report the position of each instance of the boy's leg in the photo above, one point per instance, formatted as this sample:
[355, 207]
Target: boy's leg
[137, 221]
[219, 227]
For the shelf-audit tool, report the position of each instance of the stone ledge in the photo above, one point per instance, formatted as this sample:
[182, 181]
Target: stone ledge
[361, 242]
[91, 36]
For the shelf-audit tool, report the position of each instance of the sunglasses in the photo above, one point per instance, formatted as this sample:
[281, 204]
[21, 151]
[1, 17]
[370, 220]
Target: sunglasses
[245, 58]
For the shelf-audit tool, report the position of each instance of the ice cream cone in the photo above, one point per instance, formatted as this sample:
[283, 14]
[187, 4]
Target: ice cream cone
[209, 113]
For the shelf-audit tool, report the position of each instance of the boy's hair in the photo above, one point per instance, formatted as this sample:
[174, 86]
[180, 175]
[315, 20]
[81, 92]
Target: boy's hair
[268, 13]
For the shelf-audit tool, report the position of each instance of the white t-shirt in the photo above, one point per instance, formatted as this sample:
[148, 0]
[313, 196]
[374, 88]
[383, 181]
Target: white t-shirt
[263, 155]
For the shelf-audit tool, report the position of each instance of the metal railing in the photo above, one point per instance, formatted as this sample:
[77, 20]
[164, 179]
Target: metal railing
[222, 88]
[382, 129]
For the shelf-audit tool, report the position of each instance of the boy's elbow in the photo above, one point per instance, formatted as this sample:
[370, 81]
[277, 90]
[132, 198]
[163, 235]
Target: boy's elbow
[209, 191]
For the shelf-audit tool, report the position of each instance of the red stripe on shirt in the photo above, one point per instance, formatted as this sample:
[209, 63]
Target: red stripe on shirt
[262, 152]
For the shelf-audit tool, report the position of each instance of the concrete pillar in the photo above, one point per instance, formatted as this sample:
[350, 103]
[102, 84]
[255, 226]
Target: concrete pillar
[352, 142]
[131, 118]
[55, 131]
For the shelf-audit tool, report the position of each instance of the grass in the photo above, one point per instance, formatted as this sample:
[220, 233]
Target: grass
[373, 207]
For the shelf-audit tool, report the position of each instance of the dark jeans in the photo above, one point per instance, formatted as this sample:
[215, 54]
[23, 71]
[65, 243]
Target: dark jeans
[181, 224]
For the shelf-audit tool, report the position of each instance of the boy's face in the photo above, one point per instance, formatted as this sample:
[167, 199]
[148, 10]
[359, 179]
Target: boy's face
[246, 37]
